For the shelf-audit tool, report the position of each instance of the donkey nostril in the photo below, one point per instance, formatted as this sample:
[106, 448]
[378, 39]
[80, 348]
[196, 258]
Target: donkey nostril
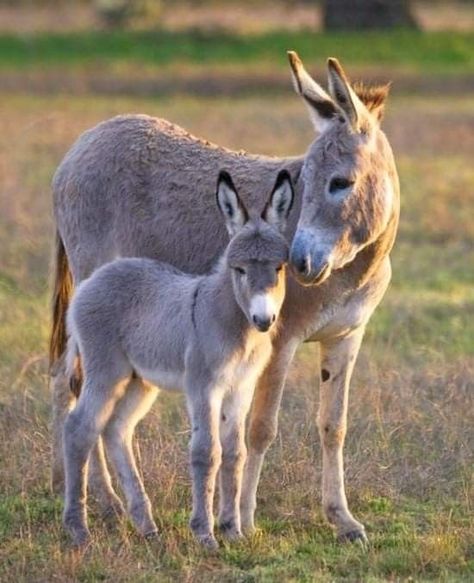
[303, 264]
[273, 318]
[255, 319]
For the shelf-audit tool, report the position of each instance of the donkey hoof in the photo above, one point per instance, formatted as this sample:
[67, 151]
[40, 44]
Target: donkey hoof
[113, 512]
[151, 535]
[80, 538]
[354, 536]
[208, 541]
[230, 532]
[248, 527]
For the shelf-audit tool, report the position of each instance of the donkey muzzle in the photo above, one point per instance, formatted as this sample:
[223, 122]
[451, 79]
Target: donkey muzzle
[309, 269]
[263, 324]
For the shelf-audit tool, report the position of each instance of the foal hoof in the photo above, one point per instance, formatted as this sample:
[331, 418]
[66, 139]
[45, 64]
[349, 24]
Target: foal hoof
[152, 535]
[80, 538]
[113, 512]
[232, 535]
[230, 532]
[208, 542]
[354, 536]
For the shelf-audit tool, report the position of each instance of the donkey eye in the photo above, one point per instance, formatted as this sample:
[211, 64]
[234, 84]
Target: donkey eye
[338, 183]
[240, 270]
[279, 268]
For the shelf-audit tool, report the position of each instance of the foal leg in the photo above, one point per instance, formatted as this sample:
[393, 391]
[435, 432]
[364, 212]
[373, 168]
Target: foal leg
[82, 264]
[99, 477]
[206, 451]
[263, 428]
[118, 438]
[63, 402]
[234, 453]
[337, 362]
[100, 484]
[81, 430]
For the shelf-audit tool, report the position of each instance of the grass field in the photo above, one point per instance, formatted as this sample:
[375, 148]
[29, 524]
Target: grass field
[409, 451]
[447, 52]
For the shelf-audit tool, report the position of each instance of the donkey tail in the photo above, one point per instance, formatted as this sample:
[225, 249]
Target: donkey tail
[73, 366]
[58, 342]
[62, 291]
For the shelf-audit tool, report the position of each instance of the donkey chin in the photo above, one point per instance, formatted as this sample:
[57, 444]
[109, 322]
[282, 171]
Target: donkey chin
[312, 277]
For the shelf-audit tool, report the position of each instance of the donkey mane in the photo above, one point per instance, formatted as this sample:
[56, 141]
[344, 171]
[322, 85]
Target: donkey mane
[372, 96]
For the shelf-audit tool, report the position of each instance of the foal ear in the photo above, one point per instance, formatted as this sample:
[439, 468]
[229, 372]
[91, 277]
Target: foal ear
[278, 207]
[322, 108]
[229, 203]
[345, 97]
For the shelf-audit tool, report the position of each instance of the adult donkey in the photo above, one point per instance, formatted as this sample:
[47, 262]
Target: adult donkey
[139, 186]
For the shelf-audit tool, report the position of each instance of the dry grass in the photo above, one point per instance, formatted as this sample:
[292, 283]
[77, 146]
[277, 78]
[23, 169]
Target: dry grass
[410, 446]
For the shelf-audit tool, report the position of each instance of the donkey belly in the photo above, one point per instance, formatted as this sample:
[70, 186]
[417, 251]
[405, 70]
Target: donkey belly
[169, 380]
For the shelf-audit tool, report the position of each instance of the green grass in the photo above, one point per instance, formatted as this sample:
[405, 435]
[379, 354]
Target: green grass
[285, 550]
[434, 52]
[409, 451]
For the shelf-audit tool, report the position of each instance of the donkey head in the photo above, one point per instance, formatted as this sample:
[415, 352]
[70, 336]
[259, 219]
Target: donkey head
[348, 174]
[258, 251]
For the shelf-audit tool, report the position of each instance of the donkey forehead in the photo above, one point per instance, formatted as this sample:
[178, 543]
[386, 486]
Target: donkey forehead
[257, 241]
[338, 148]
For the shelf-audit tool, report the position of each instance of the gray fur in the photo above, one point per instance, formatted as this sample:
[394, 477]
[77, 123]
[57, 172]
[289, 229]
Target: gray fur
[139, 186]
[200, 334]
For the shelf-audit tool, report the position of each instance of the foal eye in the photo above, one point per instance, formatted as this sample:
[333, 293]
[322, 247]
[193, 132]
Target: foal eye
[240, 270]
[338, 183]
[279, 268]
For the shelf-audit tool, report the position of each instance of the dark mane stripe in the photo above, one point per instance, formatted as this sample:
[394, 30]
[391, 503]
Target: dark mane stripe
[372, 96]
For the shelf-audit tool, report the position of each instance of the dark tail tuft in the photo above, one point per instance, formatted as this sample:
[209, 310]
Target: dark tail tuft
[63, 286]
[76, 378]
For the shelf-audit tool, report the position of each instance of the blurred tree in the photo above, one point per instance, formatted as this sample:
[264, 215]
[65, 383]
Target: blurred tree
[114, 13]
[118, 13]
[366, 14]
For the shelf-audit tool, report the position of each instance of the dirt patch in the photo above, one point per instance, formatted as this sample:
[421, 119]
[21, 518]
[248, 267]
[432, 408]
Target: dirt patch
[214, 81]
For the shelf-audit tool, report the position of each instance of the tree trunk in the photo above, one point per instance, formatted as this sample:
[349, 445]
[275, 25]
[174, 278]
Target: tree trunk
[367, 14]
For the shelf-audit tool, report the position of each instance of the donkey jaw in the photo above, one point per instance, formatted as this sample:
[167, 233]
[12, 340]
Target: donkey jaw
[309, 280]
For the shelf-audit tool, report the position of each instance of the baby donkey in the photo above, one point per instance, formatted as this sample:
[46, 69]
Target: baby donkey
[138, 324]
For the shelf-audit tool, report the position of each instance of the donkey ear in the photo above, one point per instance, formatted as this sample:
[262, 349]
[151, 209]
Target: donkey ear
[229, 203]
[321, 107]
[278, 207]
[345, 97]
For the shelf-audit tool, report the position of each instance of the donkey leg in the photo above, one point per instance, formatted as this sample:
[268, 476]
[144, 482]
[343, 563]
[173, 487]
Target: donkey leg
[206, 452]
[118, 437]
[63, 402]
[263, 428]
[99, 477]
[98, 474]
[337, 362]
[100, 484]
[81, 430]
[234, 454]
